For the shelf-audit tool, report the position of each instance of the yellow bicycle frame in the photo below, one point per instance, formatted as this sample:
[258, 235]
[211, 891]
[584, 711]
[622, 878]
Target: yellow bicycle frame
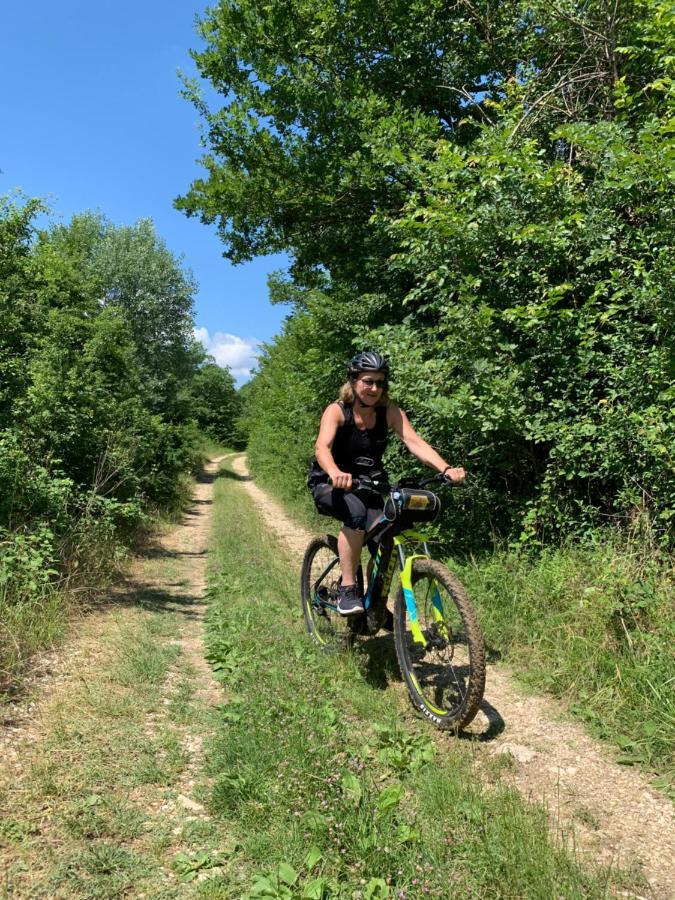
[406, 563]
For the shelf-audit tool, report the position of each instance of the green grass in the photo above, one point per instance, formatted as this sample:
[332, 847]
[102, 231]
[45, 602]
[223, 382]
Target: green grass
[210, 448]
[594, 625]
[77, 824]
[103, 870]
[28, 625]
[330, 785]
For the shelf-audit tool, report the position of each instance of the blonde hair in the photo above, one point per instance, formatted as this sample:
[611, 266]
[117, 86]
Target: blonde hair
[346, 395]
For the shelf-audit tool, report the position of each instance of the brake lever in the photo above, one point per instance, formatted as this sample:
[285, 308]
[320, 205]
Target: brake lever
[439, 476]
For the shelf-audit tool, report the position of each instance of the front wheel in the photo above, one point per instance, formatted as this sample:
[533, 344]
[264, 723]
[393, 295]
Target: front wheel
[439, 646]
[319, 581]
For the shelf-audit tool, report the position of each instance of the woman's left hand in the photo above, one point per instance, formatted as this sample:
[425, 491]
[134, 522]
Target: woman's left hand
[455, 475]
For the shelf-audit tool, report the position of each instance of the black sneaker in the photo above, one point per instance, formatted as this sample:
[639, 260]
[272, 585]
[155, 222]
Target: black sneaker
[348, 601]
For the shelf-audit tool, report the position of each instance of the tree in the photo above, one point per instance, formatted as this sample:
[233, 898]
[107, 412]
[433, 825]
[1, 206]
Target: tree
[129, 267]
[20, 319]
[214, 402]
[482, 193]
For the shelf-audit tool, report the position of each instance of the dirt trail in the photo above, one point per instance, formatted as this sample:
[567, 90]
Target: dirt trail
[166, 579]
[613, 813]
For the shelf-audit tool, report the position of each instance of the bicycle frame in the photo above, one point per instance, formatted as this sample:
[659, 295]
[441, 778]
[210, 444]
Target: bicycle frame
[384, 564]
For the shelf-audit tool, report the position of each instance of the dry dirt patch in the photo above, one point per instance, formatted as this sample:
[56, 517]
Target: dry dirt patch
[612, 813]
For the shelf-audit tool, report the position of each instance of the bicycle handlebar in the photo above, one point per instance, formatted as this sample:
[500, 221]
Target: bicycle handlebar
[364, 482]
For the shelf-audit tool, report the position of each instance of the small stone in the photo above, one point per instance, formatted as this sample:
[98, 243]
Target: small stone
[518, 752]
[192, 805]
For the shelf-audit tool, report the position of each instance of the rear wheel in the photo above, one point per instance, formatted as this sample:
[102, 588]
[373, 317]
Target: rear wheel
[442, 661]
[319, 582]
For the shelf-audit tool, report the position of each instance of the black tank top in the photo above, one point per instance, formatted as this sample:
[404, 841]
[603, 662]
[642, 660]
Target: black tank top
[356, 451]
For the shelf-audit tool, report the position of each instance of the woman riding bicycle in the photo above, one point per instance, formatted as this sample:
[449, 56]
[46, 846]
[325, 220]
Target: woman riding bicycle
[351, 443]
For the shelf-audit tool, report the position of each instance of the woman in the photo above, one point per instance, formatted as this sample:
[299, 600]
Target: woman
[352, 440]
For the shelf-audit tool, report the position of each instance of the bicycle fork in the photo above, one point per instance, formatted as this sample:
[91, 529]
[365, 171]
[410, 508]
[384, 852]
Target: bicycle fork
[406, 564]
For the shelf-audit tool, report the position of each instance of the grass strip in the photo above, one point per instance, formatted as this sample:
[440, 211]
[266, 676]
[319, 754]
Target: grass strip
[330, 788]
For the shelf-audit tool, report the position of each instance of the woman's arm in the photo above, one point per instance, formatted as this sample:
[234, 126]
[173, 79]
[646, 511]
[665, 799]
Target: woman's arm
[399, 422]
[331, 420]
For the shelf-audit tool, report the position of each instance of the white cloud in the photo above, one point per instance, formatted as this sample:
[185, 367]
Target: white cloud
[239, 354]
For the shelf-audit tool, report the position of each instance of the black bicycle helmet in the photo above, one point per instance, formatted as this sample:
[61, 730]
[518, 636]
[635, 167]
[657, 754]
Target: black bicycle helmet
[368, 361]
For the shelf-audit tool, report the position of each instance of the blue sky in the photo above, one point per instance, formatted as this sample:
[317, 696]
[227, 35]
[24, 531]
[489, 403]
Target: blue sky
[91, 118]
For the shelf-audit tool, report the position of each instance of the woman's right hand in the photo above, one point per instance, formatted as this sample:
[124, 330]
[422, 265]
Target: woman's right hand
[342, 480]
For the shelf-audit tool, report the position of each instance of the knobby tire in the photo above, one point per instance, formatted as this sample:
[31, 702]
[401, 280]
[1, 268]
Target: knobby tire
[328, 629]
[446, 679]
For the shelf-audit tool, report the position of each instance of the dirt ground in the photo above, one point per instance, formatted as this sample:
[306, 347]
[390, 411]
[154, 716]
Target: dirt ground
[613, 813]
[167, 577]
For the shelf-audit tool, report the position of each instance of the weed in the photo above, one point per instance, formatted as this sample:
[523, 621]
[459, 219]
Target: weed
[181, 710]
[587, 816]
[17, 831]
[103, 870]
[402, 751]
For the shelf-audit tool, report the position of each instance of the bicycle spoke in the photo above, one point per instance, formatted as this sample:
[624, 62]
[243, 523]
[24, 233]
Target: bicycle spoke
[319, 584]
[322, 575]
[445, 675]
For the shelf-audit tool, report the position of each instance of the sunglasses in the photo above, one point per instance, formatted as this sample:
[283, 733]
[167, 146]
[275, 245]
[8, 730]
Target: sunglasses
[379, 383]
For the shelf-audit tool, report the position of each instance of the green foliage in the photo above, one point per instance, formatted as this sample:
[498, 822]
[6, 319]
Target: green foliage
[215, 404]
[487, 198]
[26, 562]
[548, 357]
[19, 317]
[283, 405]
[103, 392]
[96, 266]
[594, 625]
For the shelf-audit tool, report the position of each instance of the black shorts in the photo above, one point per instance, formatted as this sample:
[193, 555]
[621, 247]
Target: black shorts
[356, 511]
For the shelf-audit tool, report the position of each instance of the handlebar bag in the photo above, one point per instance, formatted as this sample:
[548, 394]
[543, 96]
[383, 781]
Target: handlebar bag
[409, 505]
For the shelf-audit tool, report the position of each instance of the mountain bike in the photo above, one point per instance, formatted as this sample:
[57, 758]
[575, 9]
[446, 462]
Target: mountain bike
[439, 645]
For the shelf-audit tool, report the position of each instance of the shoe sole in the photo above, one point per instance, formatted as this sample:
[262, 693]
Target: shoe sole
[351, 612]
